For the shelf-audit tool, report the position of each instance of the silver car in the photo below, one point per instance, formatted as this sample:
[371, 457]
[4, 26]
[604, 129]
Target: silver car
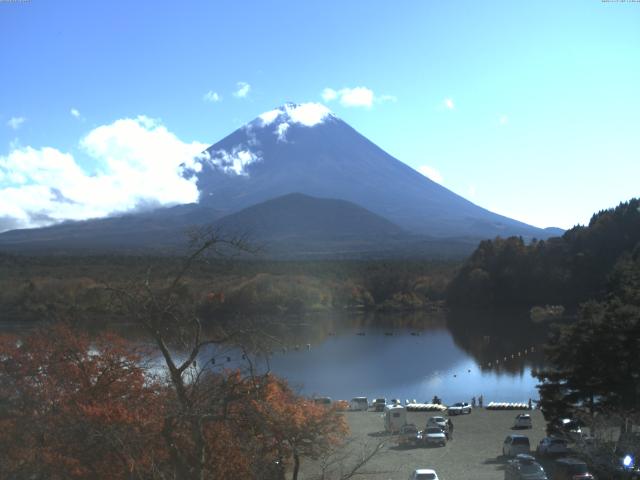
[434, 436]
[515, 444]
[552, 446]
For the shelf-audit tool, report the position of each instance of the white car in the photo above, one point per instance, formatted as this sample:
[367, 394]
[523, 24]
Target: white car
[523, 421]
[552, 446]
[459, 408]
[440, 422]
[515, 444]
[434, 436]
[424, 474]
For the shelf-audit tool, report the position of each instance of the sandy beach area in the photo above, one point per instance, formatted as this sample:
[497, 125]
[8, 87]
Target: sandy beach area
[474, 452]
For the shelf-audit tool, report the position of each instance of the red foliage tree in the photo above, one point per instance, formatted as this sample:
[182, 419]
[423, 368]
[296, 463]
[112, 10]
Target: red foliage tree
[75, 408]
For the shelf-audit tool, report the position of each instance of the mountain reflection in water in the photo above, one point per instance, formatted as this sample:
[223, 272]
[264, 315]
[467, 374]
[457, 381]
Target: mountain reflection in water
[418, 355]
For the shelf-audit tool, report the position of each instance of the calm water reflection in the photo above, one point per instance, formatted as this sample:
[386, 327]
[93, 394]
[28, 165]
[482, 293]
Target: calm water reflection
[394, 356]
[405, 363]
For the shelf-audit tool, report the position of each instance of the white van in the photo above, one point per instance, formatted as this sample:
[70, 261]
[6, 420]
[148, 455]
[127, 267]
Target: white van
[359, 403]
[395, 417]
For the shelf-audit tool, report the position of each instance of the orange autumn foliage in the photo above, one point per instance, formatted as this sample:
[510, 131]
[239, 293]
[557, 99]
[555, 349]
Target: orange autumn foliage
[74, 407]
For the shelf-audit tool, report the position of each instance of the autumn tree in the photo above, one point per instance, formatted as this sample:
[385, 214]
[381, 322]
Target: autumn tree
[208, 429]
[298, 427]
[71, 408]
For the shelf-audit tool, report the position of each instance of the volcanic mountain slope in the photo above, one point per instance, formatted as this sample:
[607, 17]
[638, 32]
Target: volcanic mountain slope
[306, 149]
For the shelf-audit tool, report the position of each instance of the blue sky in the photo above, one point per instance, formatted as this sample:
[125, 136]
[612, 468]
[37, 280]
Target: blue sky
[530, 109]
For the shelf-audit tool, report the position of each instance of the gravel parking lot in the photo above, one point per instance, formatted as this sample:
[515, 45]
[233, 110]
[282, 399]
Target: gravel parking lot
[474, 453]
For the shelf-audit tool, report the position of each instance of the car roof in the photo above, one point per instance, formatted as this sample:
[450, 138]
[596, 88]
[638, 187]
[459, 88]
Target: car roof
[424, 470]
[525, 456]
[570, 461]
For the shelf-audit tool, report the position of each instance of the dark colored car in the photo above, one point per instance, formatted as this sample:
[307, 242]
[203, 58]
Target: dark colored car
[379, 404]
[571, 469]
[524, 467]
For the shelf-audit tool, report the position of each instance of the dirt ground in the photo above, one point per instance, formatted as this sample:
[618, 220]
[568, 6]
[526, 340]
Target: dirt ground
[474, 453]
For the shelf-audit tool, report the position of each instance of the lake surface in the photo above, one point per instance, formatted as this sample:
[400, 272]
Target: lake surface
[398, 366]
[411, 356]
[405, 357]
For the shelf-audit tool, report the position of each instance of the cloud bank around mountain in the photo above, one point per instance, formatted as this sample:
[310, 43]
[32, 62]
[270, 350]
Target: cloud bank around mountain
[139, 163]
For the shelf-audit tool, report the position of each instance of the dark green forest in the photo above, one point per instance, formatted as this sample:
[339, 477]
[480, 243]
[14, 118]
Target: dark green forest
[566, 270]
[40, 287]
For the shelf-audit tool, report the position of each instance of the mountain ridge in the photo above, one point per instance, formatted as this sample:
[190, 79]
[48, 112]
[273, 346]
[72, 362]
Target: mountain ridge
[294, 149]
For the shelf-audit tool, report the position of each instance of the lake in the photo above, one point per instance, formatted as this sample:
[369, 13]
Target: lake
[405, 356]
[412, 356]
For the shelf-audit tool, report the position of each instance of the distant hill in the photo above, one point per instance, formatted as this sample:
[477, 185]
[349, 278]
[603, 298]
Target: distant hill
[566, 270]
[301, 226]
[297, 216]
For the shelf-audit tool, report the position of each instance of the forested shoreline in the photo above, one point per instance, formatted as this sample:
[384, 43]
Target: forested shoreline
[35, 287]
[581, 265]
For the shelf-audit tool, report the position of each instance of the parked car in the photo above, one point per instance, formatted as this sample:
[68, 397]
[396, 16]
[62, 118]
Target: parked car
[440, 422]
[379, 404]
[459, 408]
[552, 446]
[324, 401]
[523, 420]
[571, 469]
[359, 403]
[424, 474]
[433, 436]
[524, 467]
[568, 428]
[515, 444]
[409, 435]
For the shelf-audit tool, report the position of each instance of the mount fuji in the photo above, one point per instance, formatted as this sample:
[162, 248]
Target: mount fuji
[359, 194]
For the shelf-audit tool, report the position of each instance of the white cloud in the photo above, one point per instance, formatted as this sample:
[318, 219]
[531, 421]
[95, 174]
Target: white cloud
[281, 131]
[503, 120]
[329, 94]
[75, 112]
[355, 97]
[270, 116]
[235, 161]
[307, 114]
[448, 103]
[243, 90]
[139, 163]
[16, 122]
[212, 97]
[431, 173]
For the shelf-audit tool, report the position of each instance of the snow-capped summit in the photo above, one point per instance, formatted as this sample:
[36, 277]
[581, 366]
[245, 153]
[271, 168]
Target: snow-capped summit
[281, 118]
[307, 114]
